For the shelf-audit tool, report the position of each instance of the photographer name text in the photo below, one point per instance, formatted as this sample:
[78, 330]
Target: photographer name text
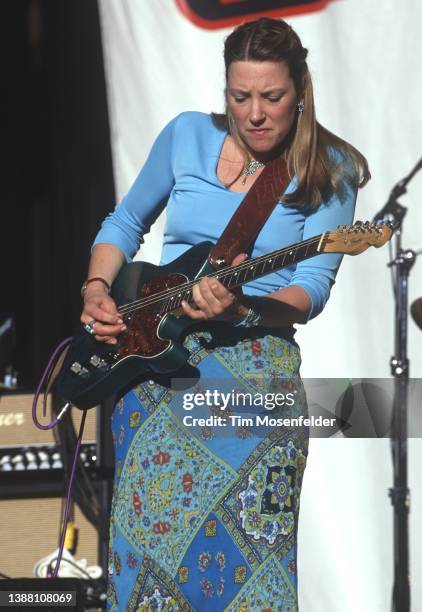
[258, 420]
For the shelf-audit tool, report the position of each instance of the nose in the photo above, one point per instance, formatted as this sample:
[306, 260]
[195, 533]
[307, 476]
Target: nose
[257, 115]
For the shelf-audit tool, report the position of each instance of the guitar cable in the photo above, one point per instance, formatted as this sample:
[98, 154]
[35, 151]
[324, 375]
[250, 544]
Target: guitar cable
[46, 376]
[53, 573]
[68, 504]
[83, 492]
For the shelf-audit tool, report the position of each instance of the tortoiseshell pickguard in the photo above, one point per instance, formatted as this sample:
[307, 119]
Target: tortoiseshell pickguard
[141, 337]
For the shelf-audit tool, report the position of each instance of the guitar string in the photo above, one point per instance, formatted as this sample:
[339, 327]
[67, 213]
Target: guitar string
[177, 290]
[174, 291]
[220, 274]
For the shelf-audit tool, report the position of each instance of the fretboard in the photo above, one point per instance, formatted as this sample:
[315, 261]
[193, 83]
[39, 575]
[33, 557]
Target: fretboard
[171, 299]
[266, 264]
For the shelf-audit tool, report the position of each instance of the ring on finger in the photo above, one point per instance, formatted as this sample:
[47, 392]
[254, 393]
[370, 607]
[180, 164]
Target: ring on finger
[89, 327]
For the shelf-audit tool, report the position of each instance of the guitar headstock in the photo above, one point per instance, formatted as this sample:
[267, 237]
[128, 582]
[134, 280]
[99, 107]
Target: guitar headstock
[356, 238]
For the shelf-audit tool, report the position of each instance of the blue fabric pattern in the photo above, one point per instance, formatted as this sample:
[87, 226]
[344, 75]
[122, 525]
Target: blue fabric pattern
[200, 526]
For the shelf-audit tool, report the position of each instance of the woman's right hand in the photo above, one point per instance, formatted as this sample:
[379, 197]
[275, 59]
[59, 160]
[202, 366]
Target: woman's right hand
[101, 308]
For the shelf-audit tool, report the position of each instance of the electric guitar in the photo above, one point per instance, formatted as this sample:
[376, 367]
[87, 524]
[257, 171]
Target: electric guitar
[149, 297]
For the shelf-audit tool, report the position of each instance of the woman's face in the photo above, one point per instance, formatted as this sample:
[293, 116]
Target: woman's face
[263, 101]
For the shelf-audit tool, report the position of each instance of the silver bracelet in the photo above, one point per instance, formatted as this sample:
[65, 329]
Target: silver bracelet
[251, 319]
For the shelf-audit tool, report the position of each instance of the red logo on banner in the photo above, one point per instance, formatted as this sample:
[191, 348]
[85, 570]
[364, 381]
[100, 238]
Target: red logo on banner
[213, 14]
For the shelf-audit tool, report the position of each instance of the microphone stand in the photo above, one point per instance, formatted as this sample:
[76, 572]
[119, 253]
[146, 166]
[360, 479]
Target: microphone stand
[402, 263]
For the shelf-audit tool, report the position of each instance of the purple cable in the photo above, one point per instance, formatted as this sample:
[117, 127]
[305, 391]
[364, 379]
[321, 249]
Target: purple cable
[52, 424]
[47, 370]
[68, 500]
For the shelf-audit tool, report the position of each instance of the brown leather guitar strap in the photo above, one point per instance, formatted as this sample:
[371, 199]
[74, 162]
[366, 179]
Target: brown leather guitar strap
[251, 214]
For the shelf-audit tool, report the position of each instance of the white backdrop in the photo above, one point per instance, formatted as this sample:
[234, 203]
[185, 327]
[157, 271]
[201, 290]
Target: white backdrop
[365, 59]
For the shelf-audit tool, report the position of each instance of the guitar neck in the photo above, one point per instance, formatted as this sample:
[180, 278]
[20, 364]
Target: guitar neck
[351, 239]
[266, 264]
[243, 273]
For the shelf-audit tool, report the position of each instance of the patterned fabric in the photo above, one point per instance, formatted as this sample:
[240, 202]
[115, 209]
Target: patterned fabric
[205, 517]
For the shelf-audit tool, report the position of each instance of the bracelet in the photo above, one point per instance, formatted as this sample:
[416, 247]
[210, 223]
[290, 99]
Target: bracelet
[251, 319]
[91, 280]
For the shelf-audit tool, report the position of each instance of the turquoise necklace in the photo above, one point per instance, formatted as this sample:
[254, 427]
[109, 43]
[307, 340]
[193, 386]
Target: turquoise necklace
[250, 168]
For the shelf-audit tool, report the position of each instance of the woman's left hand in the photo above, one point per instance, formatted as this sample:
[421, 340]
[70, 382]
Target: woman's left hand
[213, 300]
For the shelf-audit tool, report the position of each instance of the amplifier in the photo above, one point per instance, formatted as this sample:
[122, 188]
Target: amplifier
[17, 428]
[29, 528]
[31, 463]
[29, 531]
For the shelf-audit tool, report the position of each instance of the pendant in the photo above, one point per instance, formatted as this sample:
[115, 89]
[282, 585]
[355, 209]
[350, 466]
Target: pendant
[250, 168]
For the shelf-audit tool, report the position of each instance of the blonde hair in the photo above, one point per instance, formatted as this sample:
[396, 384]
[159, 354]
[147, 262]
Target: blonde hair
[320, 161]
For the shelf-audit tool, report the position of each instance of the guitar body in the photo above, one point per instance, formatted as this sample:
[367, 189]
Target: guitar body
[93, 370]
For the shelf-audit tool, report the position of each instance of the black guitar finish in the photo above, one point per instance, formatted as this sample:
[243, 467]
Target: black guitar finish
[93, 370]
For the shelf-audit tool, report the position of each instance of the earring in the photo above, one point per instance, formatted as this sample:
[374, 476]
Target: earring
[301, 106]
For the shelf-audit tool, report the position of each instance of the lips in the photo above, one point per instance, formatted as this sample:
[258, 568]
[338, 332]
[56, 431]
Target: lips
[259, 132]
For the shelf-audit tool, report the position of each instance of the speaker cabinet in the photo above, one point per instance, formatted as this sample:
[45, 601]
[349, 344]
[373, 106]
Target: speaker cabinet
[29, 528]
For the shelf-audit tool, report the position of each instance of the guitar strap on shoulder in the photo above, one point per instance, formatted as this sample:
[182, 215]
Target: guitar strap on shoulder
[251, 214]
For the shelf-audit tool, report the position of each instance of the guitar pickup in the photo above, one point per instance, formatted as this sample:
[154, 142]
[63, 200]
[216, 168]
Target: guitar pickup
[97, 362]
[78, 369]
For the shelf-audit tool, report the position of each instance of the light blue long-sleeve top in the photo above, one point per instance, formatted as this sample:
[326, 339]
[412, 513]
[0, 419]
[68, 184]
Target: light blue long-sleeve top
[180, 174]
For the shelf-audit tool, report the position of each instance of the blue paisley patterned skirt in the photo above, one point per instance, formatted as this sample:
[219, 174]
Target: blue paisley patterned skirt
[205, 514]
